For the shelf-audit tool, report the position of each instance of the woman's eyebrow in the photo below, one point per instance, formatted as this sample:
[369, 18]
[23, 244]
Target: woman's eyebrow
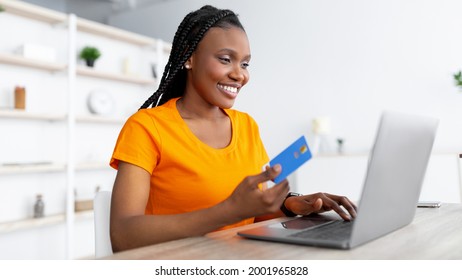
[233, 52]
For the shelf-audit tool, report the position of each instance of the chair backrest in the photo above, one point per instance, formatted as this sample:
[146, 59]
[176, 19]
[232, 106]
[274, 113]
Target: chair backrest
[102, 209]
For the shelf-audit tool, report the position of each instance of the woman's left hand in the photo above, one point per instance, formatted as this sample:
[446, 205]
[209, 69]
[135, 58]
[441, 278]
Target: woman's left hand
[321, 202]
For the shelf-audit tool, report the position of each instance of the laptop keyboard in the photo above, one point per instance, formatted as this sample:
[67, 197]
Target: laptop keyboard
[338, 230]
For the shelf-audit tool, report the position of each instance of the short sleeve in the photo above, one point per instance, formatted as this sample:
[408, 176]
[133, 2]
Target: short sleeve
[138, 143]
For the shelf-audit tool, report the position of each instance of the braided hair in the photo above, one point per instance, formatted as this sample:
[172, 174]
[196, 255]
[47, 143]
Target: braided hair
[188, 35]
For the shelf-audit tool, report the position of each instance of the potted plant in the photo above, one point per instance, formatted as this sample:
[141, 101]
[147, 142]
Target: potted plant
[458, 79]
[90, 55]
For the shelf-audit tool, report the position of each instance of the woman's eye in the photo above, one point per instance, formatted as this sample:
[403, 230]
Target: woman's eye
[225, 59]
[245, 65]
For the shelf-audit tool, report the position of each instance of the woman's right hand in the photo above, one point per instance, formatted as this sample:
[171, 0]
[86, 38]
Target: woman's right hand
[248, 200]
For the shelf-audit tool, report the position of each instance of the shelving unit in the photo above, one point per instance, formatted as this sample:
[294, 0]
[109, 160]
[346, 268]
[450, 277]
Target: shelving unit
[72, 121]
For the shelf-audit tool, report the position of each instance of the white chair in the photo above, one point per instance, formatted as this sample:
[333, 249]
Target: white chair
[459, 161]
[102, 209]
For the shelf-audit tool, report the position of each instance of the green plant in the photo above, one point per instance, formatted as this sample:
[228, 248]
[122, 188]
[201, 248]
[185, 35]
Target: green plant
[458, 78]
[90, 53]
[1, 9]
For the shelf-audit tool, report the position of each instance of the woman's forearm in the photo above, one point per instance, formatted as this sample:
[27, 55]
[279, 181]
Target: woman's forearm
[137, 231]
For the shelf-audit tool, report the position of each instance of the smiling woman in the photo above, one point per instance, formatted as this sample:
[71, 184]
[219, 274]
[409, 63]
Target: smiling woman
[191, 164]
[219, 63]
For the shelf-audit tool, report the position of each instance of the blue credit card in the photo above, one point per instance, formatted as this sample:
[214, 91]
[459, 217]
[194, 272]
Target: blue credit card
[292, 158]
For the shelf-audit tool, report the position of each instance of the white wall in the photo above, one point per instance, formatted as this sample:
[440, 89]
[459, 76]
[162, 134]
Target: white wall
[58, 5]
[345, 175]
[348, 60]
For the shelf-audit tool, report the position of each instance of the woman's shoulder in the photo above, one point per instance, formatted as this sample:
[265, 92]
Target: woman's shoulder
[149, 114]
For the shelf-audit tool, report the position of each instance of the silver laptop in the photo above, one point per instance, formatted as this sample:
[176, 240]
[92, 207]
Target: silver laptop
[391, 190]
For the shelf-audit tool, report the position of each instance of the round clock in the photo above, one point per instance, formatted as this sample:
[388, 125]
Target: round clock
[100, 102]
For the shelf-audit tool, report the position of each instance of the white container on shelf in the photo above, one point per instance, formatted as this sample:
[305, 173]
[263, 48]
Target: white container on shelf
[37, 52]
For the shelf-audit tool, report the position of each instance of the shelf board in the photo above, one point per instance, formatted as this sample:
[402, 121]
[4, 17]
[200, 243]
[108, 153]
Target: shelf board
[114, 33]
[32, 223]
[92, 166]
[21, 8]
[42, 167]
[21, 114]
[85, 71]
[26, 62]
[99, 119]
[20, 168]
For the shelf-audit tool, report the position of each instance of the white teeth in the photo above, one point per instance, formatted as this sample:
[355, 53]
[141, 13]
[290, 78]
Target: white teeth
[229, 88]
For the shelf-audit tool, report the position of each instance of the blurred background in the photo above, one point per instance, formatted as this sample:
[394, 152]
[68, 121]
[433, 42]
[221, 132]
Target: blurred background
[325, 69]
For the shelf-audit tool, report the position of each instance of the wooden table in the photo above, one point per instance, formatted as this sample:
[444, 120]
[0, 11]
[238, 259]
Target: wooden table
[435, 233]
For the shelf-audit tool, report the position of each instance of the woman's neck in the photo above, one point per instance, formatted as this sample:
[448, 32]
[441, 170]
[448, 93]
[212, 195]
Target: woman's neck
[197, 108]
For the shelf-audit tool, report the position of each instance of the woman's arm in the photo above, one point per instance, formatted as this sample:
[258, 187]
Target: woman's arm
[131, 228]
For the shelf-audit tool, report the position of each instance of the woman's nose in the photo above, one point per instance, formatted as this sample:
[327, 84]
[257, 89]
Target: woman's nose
[237, 73]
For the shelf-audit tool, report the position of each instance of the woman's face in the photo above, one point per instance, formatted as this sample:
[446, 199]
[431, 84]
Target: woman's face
[218, 66]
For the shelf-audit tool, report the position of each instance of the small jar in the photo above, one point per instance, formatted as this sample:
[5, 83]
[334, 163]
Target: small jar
[19, 98]
[39, 207]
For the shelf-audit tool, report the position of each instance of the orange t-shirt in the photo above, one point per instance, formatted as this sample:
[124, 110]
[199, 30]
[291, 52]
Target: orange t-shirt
[187, 174]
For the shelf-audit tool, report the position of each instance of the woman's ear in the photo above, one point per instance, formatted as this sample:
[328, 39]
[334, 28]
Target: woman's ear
[189, 63]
